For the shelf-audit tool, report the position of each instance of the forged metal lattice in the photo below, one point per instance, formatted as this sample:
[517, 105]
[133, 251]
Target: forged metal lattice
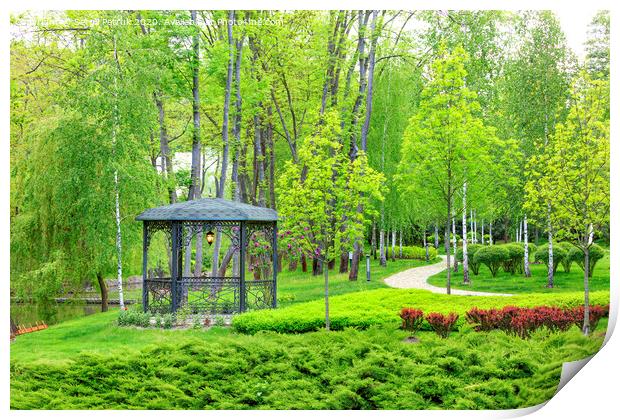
[180, 223]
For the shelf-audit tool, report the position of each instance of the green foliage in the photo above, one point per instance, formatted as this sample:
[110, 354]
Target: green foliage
[352, 369]
[320, 206]
[542, 255]
[419, 253]
[596, 253]
[572, 255]
[471, 251]
[134, 317]
[493, 256]
[381, 306]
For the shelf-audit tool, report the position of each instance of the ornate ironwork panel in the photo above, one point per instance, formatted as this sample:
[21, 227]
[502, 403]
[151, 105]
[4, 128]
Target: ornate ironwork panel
[259, 294]
[209, 294]
[159, 295]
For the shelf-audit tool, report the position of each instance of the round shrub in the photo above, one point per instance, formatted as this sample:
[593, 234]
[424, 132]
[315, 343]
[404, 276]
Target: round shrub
[514, 263]
[542, 255]
[471, 250]
[572, 255]
[596, 253]
[492, 257]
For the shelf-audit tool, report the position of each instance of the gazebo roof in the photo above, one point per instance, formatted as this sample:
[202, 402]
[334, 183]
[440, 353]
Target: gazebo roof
[209, 209]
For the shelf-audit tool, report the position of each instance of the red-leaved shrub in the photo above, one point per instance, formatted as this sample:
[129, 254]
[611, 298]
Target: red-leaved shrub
[596, 313]
[524, 321]
[442, 324]
[412, 319]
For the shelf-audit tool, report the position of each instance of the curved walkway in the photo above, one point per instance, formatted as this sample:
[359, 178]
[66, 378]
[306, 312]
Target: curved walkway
[416, 278]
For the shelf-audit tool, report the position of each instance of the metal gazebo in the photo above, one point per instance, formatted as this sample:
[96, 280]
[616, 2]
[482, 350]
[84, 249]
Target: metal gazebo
[226, 289]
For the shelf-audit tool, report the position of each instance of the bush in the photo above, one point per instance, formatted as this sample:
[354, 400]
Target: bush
[442, 324]
[542, 255]
[524, 321]
[596, 313]
[471, 250]
[572, 255]
[596, 253]
[168, 321]
[514, 263]
[418, 253]
[492, 256]
[134, 317]
[412, 319]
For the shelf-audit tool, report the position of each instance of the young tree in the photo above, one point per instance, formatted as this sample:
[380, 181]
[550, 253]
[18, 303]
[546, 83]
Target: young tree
[321, 208]
[575, 179]
[445, 144]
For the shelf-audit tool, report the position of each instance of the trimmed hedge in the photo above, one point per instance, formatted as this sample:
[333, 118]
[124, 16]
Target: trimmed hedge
[382, 306]
[471, 250]
[542, 255]
[492, 256]
[418, 253]
[572, 255]
[596, 253]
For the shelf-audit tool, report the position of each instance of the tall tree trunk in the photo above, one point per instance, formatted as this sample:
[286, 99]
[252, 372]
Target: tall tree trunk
[436, 236]
[103, 288]
[491, 232]
[482, 233]
[237, 139]
[326, 274]
[373, 243]
[454, 244]
[164, 146]
[344, 262]
[425, 245]
[400, 244]
[272, 160]
[526, 251]
[466, 279]
[550, 245]
[304, 264]
[475, 231]
[382, 259]
[586, 288]
[393, 245]
[225, 143]
[446, 241]
[471, 224]
[371, 73]
[260, 162]
[119, 255]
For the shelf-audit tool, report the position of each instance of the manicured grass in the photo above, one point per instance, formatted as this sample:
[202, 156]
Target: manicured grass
[371, 369]
[517, 283]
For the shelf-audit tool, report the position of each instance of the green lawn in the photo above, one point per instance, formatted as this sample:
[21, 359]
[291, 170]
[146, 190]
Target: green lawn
[517, 283]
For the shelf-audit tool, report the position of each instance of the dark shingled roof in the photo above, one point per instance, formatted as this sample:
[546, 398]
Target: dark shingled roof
[209, 209]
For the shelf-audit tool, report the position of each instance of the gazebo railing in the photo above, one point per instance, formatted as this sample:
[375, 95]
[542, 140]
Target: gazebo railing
[208, 294]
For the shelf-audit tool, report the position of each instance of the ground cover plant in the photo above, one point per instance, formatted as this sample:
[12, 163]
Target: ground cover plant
[351, 369]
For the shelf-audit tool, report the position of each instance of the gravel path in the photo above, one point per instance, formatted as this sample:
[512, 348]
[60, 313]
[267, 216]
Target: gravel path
[415, 278]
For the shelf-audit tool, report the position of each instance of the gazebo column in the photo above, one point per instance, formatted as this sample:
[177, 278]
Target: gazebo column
[145, 245]
[176, 264]
[242, 241]
[274, 247]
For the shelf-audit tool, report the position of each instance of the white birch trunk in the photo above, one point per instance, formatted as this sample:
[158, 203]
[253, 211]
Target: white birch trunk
[491, 232]
[382, 260]
[119, 255]
[393, 245]
[436, 237]
[550, 239]
[482, 234]
[471, 225]
[425, 245]
[400, 244]
[526, 252]
[465, 259]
